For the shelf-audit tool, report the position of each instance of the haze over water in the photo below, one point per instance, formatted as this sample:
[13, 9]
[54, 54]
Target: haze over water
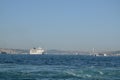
[64, 24]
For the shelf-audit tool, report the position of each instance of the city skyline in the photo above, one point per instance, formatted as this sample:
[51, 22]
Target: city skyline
[63, 24]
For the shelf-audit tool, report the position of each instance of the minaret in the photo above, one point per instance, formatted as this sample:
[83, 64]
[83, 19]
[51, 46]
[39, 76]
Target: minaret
[93, 50]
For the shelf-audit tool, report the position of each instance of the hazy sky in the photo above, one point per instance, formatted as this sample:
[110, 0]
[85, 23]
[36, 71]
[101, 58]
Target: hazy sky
[60, 24]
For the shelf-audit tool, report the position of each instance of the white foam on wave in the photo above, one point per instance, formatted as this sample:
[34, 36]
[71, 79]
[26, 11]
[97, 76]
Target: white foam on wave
[88, 75]
[80, 74]
[100, 72]
[72, 73]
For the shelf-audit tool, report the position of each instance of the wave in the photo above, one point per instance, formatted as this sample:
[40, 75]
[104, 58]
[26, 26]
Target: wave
[32, 67]
[55, 72]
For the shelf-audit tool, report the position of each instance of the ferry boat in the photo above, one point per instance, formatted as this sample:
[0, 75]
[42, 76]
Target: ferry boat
[37, 51]
[98, 54]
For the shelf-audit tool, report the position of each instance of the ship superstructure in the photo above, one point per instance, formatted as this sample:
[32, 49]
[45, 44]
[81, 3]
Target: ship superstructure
[36, 51]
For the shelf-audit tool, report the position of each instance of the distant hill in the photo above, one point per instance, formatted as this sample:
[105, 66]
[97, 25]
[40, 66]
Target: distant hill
[53, 51]
[115, 52]
[13, 51]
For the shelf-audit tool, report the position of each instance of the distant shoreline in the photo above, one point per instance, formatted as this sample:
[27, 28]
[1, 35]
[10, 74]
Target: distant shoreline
[59, 52]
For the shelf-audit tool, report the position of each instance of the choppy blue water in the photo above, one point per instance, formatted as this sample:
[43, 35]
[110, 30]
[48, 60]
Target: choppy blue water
[58, 67]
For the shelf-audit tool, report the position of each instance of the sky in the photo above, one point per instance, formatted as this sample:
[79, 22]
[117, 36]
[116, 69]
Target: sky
[60, 24]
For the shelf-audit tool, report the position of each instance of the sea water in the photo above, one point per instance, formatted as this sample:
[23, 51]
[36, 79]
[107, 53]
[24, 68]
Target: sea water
[58, 67]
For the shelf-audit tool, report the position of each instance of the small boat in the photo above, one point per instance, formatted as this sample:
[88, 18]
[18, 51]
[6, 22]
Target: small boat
[3, 52]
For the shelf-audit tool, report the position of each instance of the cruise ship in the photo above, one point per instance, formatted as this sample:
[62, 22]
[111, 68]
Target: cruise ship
[37, 51]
